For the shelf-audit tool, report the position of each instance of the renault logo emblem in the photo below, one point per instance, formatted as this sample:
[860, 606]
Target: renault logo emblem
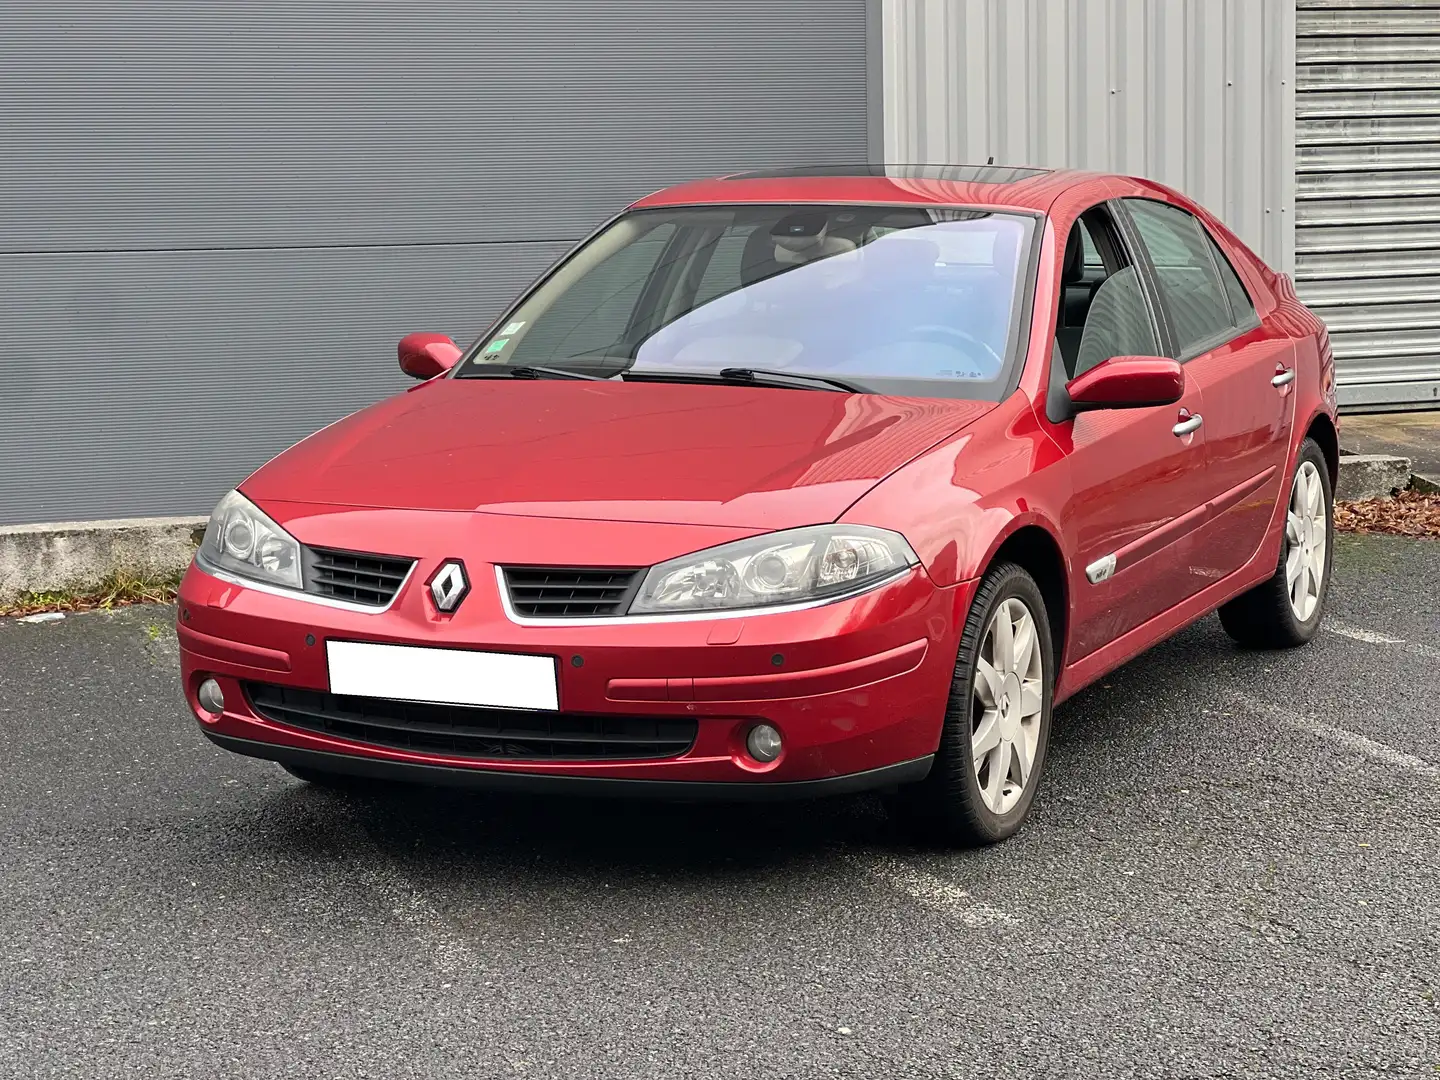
[449, 586]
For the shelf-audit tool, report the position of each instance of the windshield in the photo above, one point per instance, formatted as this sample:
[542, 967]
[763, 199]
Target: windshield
[899, 300]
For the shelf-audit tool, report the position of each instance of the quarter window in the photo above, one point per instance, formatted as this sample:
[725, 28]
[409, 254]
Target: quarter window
[1241, 306]
[1189, 282]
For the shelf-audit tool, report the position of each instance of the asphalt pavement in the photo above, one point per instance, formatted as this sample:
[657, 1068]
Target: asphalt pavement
[1233, 869]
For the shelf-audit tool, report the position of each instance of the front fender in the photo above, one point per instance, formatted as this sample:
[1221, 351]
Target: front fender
[959, 502]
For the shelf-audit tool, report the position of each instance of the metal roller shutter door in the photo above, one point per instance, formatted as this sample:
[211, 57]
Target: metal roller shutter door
[219, 218]
[1367, 238]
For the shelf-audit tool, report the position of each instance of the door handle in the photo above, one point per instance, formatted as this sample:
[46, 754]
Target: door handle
[1189, 424]
[1283, 378]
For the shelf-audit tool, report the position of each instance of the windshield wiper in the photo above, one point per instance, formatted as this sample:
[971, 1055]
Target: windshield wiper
[524, 371]
[759, 375]
[786, 380]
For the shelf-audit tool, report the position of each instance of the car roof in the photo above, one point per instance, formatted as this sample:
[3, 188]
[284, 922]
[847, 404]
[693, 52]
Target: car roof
[1001, 186]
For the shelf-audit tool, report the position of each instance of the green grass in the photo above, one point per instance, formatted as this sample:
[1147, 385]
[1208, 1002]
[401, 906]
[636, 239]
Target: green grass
[117, 590]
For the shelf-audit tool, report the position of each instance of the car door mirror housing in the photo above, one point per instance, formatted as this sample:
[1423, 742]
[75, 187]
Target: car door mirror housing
[1128, 382]
[423, 356]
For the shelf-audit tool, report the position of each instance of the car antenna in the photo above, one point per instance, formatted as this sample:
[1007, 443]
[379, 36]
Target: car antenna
[991, 161]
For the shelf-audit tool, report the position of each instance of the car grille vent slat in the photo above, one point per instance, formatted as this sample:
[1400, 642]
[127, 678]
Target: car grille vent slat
[472, 732]
[355, 577]
[539, 592]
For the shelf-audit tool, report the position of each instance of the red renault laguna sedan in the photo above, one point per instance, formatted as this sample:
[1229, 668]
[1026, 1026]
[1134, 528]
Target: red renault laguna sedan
[787, 483]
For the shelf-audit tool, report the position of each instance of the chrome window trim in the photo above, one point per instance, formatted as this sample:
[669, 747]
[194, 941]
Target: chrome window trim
[689, 616]
[295, 594]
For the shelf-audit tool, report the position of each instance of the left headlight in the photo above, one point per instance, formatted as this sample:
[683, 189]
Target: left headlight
[819, 562]
[243, 540]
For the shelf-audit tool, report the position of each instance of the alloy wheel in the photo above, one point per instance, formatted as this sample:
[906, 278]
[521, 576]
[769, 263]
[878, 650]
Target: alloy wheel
[1007, 699]
[1306, 536]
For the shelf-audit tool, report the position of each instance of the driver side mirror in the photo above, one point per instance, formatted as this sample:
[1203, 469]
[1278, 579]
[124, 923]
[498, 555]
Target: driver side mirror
[1128, 382]
[423, 356]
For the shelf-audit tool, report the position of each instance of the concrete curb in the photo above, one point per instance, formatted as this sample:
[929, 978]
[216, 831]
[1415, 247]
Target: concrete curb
[1371, 476]
[75, 555]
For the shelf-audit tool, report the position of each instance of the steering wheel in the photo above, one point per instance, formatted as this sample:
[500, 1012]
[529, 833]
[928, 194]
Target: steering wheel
[948, 335]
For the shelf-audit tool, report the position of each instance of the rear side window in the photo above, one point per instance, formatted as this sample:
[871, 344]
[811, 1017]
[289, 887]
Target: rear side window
[1189, 282]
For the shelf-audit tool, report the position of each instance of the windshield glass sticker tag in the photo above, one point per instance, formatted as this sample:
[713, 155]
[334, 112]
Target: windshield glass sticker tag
[513, 328]
[496, 346]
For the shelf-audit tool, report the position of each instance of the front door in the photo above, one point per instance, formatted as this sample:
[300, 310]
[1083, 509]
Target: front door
[1137, 475]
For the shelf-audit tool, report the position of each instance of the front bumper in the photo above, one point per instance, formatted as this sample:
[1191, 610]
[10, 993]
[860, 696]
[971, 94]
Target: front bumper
[857, 688]
[375, 768]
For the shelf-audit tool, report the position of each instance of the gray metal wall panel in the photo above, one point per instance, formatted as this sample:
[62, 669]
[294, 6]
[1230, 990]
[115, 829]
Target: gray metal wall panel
[216, 220]
[1368, 209]
[150, 124]
[1198, 94]
[150, 382]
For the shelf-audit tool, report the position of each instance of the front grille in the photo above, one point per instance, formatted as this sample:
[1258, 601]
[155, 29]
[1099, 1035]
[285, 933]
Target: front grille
[356, 577]
[549, 592]
[467, 731]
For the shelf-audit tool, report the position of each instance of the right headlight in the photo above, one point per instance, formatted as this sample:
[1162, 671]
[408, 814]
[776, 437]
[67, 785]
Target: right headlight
[796, 566]
[240, 538]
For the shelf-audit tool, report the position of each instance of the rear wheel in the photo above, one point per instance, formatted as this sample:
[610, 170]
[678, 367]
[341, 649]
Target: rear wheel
[1286, 610]
[997, 723]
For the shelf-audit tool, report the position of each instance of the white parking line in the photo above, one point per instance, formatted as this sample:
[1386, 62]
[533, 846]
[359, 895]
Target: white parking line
[1341, 737]
[935, 892]
[1359, 633]
[1371, 637]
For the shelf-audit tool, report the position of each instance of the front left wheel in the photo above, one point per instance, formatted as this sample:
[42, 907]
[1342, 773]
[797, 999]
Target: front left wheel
[997, 723]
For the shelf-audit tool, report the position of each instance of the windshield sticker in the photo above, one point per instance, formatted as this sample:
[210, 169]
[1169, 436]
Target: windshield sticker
[498, 345]
[513, 328]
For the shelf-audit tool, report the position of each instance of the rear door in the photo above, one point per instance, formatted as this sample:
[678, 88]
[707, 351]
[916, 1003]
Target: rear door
[1244, 370]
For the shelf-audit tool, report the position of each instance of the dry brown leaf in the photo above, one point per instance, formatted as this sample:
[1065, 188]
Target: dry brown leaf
[1408, 514]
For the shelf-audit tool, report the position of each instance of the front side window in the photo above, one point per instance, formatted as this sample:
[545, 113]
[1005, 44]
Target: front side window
[1104, 312]
[1189, 284]
[1117, 324]
[899, 300]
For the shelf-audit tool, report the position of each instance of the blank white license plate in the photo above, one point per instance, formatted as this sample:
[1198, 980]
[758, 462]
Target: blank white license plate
[446, 676]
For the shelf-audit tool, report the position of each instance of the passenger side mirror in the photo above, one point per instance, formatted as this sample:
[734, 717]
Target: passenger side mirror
[1128, 382]
[423, 356]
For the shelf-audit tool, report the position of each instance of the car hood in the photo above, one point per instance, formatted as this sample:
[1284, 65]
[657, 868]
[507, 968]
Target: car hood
[677, 453]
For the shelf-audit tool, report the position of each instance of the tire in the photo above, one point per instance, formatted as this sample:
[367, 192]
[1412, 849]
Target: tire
[330, 780]
[1269, 616]
[951, 806]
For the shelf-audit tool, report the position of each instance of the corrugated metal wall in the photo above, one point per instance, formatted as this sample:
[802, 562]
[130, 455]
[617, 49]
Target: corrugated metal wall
[1368, 210]
[1198, 94]
[217, 219]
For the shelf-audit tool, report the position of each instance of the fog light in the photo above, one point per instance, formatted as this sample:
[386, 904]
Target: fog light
[213, 701]
[763, 742]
